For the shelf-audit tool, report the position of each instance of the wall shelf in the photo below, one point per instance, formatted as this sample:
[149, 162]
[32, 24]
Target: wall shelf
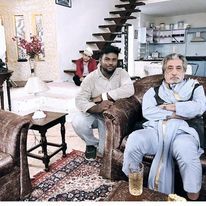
[167, 43]
[163, 42]
[169, 36]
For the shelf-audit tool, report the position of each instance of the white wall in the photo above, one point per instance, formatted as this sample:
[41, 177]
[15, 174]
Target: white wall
[75, 26]
[66, 31]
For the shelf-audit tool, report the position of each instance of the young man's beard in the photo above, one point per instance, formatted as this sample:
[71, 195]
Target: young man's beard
[110, 71]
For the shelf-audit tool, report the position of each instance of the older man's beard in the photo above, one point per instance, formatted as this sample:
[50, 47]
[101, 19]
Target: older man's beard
[176, 79]
[173, 85]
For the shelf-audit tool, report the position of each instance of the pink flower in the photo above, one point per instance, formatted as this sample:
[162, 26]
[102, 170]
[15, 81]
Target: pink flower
[32, 48]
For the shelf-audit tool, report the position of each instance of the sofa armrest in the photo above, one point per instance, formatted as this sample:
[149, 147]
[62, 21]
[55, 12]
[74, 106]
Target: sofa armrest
[10, 131]
[25, 181]
[13, 136]
[119, 120]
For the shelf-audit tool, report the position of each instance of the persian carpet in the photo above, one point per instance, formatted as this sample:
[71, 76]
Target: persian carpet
[71, 178]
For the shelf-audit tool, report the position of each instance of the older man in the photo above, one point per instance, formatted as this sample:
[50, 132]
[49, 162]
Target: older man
[167, 134]
[99, 90]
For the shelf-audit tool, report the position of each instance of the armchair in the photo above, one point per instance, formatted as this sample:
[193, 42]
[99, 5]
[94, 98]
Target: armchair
[14, 172]
[120, 121]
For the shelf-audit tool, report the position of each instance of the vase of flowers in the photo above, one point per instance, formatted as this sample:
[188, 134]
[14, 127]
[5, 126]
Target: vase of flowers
[32, 64]
[32, 48]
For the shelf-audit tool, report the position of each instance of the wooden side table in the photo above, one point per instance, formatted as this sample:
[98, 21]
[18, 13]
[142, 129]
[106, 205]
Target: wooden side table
[42, 125]
[5, 76]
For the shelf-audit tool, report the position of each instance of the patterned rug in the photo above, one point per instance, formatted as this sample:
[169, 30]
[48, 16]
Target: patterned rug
[72, 178]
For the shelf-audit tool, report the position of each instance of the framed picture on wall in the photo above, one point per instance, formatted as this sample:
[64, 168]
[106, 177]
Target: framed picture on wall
[67, 3]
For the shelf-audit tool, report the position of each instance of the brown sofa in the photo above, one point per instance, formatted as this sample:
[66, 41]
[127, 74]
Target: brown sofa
[120, 122]
[14, 173]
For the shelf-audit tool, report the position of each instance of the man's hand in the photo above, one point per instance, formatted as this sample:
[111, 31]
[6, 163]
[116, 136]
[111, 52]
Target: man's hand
[172, 108]
[101, 107]
[168, 107]
[81, 79]
[104, 105]
[97, 99]
[174, 116]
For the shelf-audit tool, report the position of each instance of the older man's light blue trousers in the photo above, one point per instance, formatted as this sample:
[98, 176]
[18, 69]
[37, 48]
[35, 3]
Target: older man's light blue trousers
[184, 149]
[84, 123]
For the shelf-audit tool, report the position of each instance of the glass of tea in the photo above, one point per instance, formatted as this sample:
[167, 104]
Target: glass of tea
[136, 171]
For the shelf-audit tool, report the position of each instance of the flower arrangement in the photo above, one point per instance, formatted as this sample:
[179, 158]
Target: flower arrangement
[32, 48]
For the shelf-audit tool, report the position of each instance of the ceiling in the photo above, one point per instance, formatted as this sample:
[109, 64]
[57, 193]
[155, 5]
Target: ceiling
[173, 7]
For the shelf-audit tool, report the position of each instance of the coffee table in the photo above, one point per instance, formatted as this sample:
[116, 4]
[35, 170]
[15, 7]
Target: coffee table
[42, 125]
[120, 192]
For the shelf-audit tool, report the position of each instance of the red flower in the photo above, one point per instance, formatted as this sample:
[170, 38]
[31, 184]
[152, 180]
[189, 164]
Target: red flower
[32, 48]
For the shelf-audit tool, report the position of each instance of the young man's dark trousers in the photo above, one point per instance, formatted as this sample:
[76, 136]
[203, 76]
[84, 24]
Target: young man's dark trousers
[76, 80]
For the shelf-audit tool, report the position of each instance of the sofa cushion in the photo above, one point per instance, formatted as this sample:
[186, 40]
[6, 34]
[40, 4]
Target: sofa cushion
[6, 163]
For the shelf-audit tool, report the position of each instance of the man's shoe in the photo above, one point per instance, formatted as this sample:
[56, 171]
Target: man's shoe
[90, 153]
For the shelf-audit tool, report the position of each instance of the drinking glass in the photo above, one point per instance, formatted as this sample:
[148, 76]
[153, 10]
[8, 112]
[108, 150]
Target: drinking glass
[136, 172]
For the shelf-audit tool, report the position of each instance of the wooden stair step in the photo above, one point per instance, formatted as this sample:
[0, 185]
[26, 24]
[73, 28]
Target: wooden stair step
[130, 1]
[127, 12]
[74, 60]
[113, 27]
[102, 44]
[111, 33]
[108, 35]
[94, 51]
[72, 71]
[95, 42]
[119, 20]
[130, 6]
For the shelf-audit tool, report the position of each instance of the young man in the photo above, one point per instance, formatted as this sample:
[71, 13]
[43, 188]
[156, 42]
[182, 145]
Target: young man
[84, 66]
[167, 134]
[99, 90]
